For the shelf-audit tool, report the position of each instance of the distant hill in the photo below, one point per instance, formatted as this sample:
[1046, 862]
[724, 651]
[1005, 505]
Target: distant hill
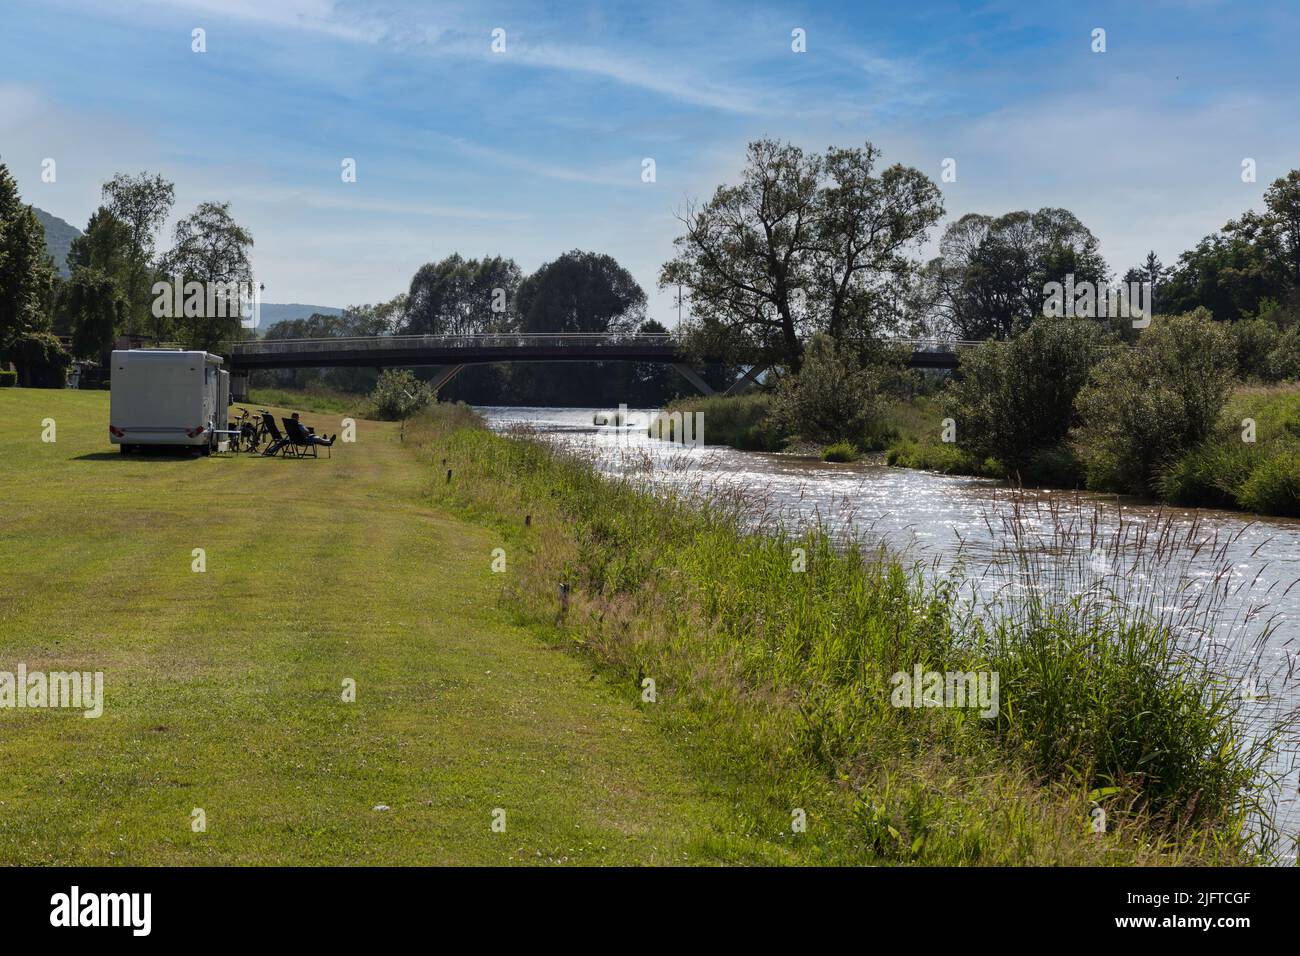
[273, 312]
[58, 238]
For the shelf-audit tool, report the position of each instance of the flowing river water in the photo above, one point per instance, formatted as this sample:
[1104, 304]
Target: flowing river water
[1225, 578]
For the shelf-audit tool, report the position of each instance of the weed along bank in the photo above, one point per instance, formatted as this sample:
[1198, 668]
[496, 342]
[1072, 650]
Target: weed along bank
[163, 397]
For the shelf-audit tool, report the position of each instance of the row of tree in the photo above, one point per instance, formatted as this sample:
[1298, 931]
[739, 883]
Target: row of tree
[114, 266]
[809, 243]
[577, 292]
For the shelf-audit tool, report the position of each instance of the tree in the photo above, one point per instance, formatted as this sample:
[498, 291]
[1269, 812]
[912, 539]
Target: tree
[1283, 201]
[804, 243]
[1228, 273]
[1145, 406]
[580, 292]
[459, 296]
[832, 398]
[1153, 272]
[41, 360]
[988, 280]
[864, 226]
[93, 308]
[142, 203]
[27, 273]
[382, 318]
[1254, 258]
[210, 248]
[1015, 399]
[105, 245]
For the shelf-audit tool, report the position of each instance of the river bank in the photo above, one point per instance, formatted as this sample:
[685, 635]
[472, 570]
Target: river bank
[1251, 464]
[773, 657]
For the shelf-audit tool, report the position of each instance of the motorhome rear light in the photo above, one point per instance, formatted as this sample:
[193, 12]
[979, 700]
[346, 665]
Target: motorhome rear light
[195, 432]
[115, 431]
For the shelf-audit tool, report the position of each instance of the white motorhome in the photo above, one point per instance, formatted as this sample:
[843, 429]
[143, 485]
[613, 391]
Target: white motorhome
[167, 397]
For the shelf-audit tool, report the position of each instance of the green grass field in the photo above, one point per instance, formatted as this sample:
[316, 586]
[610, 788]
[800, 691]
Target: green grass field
[223, 689]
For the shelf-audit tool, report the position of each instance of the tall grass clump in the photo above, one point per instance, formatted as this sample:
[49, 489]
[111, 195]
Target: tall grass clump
[740, 421]
[1121, 667]
[773, 653]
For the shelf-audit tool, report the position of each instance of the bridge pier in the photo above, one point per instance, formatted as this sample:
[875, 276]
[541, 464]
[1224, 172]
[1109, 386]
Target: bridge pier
[693, 377]
[443, 374]
[746, 380]
[238, 385]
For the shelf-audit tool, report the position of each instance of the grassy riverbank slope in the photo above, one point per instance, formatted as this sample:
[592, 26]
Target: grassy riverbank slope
[768, 658]
[223, 689]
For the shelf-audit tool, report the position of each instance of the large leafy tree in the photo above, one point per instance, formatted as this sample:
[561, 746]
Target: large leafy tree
[1254, 258]
[27, 273]
[91, 305]
[141, 202]
[459, 296]
[803, 243]
[209, 247]
[1229, 273]
[988, 280]
[580, 292]
[105, 245]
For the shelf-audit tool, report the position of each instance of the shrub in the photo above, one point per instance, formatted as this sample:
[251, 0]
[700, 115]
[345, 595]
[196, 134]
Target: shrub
[840, 451]
[833, 398]
[1016, 398]
[741, 421]
[943, 457]
[399, 394]
[1283, 361]
[1144, 407]
[1253, 341]
[41, 360]
[8, 379]
[1210, 475]
[1274, 485]
[1056, 465]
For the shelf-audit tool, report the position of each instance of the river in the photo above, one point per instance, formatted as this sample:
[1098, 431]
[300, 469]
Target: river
[1228, 580]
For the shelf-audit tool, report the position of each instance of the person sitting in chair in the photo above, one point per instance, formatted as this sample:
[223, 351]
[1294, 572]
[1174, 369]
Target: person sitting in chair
[311, 434]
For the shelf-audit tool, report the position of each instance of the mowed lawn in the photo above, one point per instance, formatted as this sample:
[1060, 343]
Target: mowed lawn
[223, 689]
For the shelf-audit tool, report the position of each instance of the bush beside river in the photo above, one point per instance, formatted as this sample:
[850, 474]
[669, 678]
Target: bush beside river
[1063, 405]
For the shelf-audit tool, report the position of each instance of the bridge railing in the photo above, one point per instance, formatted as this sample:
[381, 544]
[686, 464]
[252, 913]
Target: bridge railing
[361, 343]
[489, 340]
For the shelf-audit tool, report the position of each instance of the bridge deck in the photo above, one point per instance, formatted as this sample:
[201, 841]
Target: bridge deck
[403, 351]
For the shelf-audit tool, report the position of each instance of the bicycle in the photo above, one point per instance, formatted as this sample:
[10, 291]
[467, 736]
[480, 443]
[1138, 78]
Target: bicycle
[251, 428]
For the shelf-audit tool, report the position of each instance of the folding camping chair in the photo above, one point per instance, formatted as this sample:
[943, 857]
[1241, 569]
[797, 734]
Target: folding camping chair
[279, 443]
[304, 441]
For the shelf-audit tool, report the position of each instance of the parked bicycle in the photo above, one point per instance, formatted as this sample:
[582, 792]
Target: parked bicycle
[251, 428]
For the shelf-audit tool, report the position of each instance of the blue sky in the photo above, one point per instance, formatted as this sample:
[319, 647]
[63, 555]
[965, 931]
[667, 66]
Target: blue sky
[539, 149]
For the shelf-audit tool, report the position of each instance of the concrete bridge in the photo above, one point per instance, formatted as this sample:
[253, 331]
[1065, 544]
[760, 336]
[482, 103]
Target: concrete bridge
[450, 353]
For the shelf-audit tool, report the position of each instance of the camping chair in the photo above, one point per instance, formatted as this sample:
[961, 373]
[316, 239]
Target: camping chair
[304, 441]
[279, 443]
